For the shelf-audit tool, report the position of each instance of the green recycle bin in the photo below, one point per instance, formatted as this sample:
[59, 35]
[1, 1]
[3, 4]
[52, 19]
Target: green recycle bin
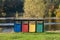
[39, 27]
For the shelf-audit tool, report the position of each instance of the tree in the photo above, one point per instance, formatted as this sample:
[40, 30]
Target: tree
[34, 8]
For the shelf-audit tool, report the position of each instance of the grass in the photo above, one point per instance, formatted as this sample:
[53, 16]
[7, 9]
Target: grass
[29, 36]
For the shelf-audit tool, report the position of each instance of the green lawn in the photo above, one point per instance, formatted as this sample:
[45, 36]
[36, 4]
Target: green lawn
[30, 36]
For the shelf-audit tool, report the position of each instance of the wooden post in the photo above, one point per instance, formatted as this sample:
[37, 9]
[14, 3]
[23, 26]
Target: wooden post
[16, 14]
[49, 19]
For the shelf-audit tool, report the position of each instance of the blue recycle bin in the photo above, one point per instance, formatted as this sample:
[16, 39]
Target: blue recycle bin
[17, 27]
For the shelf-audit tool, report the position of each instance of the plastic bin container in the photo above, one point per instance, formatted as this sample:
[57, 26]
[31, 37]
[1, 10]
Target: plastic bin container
[25, 27]
[39, 27]
[17, 27]
[32, 26]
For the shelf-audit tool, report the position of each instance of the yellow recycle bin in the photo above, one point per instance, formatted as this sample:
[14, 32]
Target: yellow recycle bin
[32, 27]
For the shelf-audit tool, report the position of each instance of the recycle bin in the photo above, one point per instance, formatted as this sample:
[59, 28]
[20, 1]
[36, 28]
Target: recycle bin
[17, 27]
[32, 26]
[39, 27]
[25, 26]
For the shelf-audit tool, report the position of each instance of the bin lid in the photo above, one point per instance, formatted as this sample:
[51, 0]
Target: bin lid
[17, 22]
[24, 22]
[39, 21]
[31, 21]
